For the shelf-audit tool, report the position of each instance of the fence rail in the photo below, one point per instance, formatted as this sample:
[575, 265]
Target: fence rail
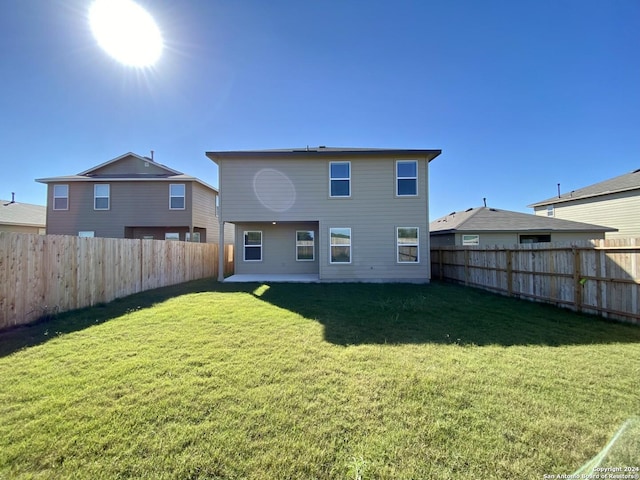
[597, 276]
[47, 274]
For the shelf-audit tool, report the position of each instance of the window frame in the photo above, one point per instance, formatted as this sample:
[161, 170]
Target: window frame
[416, 245]
[313, 246]
[170, 236]
[183, 196]
[414, 178]
[195, 239]
[245, 246]
[96, 197]
[331, 245]
[86, 233]
[339, 179]
[468, 242]
[55, 197]
[551, 211]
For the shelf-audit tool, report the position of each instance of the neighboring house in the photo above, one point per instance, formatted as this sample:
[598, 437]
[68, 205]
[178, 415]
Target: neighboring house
[484, 226]
[331, 214]
[614, 202]
[22, 217]
[132, 197]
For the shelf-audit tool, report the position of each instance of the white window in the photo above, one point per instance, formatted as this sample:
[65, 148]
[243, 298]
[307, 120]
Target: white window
[340, 179]
[470, 239]
[408, 244]
[340, 249]
[101, 193]
[61, 197]
[172, 236]
[406, 178]
[147, 237]
[252, 246]
[305, 245]
[176, 196]
[87, 234]
[196, 237]
[550, 212]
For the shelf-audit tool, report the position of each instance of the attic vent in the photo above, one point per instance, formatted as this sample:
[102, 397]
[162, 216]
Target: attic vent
[146, 164]
[636, 171]
[493, 210]
[452, 213]
[468, 209]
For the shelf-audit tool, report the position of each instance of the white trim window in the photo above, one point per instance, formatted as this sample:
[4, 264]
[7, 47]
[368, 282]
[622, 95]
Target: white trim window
[408, 244]
[406, 178]
[339, 179]
[252, 251]
[470, 240]
[101, 196]
[305, 245]
[177, 194]
[61, 197]
[550, 211]
[195, 239]
[173, 236]
[340, 245]
[87, 234]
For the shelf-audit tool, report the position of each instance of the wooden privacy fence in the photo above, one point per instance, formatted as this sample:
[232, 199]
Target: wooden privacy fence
[596, 276]
[47, 274]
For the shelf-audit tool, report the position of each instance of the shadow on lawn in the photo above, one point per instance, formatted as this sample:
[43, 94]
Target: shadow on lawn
[440, 313]
[354, 313]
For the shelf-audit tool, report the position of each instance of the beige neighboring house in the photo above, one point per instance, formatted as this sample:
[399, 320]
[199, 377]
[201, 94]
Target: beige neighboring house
[132, 197]
[327, 214]
[485, 226]
[614, 202]
[22, 217]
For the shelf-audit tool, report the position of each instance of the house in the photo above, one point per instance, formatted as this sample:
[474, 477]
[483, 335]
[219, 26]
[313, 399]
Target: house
[22, 217]
[614, 202]
[132, 197]
[484, 226]
[327, 214]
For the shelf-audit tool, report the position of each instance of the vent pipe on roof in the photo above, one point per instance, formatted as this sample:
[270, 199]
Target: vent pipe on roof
[484, 199]
[13, 199]
[558, 190]
[152, 155]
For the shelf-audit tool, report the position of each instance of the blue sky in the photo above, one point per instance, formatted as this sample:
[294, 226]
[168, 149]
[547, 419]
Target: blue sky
[519, 95]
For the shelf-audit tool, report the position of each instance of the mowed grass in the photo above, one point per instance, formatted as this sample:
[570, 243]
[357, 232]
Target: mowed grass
[352, 381]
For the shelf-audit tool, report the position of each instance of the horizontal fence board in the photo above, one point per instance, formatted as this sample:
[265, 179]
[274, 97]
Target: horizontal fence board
[43, 275]
[598, 276]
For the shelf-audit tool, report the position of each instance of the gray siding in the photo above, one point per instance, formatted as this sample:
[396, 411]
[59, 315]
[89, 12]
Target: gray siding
[131, 166]
[617, 210]
[278, 249]
[490, 239]
[265, 190]
[204, 211]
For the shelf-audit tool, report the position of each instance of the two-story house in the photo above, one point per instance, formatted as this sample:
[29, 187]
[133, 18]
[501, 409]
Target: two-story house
[132, 197]
[327, 214]
[614, 202]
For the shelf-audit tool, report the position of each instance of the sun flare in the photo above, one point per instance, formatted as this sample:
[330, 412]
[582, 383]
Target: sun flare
[126, 31]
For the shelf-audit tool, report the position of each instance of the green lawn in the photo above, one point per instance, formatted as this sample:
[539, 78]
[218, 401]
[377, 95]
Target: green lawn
[208, 380]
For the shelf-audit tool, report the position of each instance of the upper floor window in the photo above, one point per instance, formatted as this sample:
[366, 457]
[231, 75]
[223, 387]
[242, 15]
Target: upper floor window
[177, 196]
[340, 245]
[61, 197]
[408, 245]
[340, 179]
[406, 178]
[101, 196]
[549, 210]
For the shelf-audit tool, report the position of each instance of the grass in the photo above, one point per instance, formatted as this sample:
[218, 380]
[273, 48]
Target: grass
[352, 381]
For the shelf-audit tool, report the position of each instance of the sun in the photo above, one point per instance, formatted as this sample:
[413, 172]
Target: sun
[126, 31]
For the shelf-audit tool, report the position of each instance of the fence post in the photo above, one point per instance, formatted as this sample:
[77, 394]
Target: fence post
[466, 266]
[509, 273]
[576, 279]
[440, 266]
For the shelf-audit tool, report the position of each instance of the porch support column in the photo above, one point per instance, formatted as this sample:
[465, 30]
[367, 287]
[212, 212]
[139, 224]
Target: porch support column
[221, 252]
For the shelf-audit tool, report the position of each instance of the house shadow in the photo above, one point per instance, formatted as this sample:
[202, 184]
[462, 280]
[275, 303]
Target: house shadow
[439, 313]
[358, 313]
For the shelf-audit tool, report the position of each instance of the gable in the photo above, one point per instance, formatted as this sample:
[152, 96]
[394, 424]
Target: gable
[130, 164]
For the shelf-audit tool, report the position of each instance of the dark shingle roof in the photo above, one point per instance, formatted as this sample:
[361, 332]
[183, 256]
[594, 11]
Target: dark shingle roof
[622, 183]
[485, 219]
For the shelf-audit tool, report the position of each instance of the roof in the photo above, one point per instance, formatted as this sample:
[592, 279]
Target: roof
[89, 175]
[322, 151]
[485, 219]
[622, 183]
[23, 214]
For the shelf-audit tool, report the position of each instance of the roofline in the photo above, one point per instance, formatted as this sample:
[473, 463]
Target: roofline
[130, 154]
[526, 230]
[321, 152]
[23, 224]
[563, 199]
[120, 179]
